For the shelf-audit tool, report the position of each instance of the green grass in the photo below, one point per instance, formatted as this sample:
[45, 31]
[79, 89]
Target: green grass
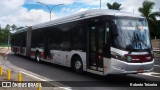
[5, 45]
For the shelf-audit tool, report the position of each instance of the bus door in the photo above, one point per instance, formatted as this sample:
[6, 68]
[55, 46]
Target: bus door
[95, 44]
[46, 46]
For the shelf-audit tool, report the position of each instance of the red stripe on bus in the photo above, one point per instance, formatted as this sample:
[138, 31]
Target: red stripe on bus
[42, 54]
[33, 53]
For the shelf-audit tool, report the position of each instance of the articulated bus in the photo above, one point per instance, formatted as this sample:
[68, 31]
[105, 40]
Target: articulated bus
[96, 41]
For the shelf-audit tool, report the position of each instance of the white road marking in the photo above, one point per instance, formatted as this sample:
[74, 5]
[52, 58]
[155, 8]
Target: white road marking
[33, 76]
[150, 74]
[66, 88]
[45, 80]
[7, 52]
[157, 65]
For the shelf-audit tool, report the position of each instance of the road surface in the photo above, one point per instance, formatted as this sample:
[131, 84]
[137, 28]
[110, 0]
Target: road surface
[72, 79]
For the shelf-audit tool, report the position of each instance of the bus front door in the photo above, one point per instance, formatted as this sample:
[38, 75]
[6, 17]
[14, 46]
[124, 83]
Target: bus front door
[95, 45]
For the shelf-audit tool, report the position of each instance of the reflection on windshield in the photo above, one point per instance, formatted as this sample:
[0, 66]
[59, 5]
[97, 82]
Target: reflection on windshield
[133, 34]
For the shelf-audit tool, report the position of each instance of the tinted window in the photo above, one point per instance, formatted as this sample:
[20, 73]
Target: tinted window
[19, 39]
[37, 38]
[78, 35]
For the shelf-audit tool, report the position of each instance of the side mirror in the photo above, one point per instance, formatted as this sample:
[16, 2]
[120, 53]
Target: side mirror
[114, 30]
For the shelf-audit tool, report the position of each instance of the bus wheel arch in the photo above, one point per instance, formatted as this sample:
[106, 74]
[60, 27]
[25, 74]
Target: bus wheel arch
[37, 56]
[76, 63]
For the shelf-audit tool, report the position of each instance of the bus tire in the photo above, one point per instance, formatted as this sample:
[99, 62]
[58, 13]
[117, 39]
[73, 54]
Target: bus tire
[77, 65]
[37, 56]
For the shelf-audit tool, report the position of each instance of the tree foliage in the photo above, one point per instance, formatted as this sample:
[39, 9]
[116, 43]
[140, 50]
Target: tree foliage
[146, 11]
[6, 32]
[114, 6]
[14, 27]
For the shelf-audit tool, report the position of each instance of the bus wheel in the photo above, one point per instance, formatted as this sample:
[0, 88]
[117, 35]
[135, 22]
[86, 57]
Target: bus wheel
[37, 57]
[78, 66]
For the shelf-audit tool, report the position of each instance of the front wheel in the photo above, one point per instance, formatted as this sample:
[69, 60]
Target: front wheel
[77, 65]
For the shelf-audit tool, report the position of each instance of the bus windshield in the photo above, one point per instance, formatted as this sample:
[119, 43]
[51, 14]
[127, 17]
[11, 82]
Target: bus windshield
[133, 34]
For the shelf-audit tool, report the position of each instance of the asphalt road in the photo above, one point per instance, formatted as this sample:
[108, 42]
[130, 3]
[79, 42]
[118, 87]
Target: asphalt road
[157, 65]
[70, 78]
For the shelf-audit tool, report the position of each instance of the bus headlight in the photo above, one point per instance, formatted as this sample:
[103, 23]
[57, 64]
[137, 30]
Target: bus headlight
[117, 56]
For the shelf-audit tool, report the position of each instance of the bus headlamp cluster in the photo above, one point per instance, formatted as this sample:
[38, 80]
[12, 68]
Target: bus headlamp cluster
[117, 56]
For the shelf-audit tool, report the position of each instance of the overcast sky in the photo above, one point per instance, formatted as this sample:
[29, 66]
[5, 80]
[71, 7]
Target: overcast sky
[29, 12]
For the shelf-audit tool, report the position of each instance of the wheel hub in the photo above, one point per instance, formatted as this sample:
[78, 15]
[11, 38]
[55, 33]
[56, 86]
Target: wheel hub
[77, 65]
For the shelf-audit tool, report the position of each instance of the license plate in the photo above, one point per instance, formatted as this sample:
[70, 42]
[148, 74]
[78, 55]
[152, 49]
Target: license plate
[141, 70]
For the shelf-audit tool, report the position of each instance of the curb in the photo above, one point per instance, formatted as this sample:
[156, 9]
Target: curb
[31, 75]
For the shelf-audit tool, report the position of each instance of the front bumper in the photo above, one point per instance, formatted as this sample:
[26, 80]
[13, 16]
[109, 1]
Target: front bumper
[120, 67]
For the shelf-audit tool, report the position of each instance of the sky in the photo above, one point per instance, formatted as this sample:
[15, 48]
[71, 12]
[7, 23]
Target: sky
[29, 12]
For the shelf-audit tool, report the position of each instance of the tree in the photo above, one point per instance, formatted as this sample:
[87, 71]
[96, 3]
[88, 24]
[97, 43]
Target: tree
[114, 5]
[146, 11]
[1, 35]
[7, 33]
[158, 28]
[14, 27]
[8, 27]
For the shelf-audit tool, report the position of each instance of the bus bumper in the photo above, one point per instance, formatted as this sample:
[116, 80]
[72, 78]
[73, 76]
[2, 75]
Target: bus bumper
[121, 67]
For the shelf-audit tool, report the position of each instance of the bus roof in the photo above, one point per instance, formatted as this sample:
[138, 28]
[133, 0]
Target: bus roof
[82, 15]
[85, 14]
[22, 30]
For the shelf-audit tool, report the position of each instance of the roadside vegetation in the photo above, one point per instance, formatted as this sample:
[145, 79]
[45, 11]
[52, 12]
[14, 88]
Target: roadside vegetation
[5, 34]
